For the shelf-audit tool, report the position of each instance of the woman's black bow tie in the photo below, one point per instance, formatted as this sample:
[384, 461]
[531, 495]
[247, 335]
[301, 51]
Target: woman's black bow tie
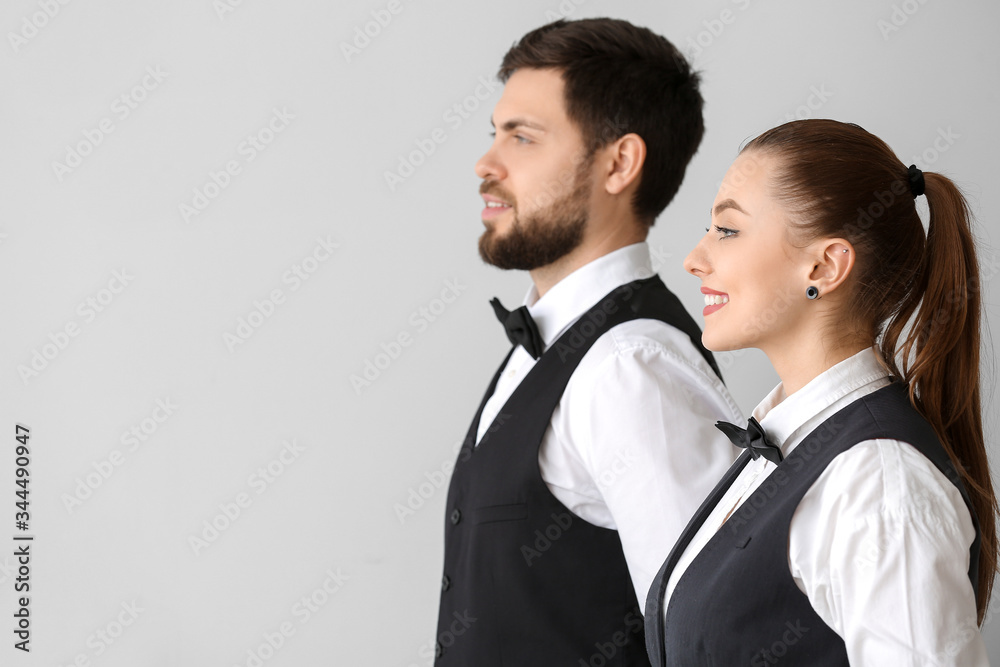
[752, 438]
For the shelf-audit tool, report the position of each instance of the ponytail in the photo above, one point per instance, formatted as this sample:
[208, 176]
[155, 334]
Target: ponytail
[938, 356]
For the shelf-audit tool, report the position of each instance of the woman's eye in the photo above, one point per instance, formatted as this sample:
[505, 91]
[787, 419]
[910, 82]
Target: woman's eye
[726, 232]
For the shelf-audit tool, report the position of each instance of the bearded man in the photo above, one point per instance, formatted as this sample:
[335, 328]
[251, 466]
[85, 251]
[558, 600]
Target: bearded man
[595, 441]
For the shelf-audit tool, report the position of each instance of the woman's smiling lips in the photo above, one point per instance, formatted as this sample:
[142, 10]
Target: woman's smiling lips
[713, 300]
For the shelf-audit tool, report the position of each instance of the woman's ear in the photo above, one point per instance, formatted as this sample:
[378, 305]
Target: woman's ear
[833, 261]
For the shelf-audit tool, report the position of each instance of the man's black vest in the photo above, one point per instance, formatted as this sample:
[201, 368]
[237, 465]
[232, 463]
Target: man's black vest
[737, 603]
[526, 582]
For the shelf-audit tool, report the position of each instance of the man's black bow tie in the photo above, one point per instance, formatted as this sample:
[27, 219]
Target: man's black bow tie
[752, 438]
[521, 329]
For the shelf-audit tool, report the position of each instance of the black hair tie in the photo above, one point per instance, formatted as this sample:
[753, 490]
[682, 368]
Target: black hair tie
[916, 178]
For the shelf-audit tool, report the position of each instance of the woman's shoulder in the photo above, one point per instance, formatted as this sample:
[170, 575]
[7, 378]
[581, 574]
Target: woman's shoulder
[881, 486]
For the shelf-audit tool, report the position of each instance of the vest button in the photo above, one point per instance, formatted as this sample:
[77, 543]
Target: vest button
[445, 583]
[438, 650]
[456, 516]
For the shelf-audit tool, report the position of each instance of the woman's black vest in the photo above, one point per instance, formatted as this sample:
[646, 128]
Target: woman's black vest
[737, 603]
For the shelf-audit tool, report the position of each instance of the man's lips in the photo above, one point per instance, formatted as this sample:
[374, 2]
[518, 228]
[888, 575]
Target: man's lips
[714, 300]
[495, 207]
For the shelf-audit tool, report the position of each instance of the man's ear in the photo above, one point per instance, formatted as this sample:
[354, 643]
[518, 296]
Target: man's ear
[623, 161]
[833, 260]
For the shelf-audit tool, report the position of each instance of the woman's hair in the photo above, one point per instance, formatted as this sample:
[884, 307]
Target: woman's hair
[916, 295]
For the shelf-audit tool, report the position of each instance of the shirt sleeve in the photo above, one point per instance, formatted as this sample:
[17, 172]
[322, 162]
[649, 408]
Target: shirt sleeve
[642, 421]
[880, 545]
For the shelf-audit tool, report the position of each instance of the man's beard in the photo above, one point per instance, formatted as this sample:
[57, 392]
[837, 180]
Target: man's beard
[542, 237]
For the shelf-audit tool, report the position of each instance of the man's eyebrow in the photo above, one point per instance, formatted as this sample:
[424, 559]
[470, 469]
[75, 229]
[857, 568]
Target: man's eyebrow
[727, 203]
[514, 123]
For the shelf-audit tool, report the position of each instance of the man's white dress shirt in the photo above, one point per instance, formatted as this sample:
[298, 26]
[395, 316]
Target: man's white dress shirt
[632, 444]
[880, 542]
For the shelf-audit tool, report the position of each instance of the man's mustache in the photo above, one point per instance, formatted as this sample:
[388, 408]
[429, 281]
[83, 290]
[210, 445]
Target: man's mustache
[496, 190]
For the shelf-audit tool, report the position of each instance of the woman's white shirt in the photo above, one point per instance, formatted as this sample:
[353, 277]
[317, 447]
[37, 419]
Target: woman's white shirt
[880, 542]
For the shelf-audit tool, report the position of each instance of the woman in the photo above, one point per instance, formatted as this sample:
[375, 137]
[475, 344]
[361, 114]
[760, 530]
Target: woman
[859, 526]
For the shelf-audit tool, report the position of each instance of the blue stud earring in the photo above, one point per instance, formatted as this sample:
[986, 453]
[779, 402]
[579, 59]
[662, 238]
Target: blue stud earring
[812, 292]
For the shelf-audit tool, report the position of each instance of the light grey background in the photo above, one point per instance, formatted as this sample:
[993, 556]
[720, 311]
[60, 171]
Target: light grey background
[912, 72]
